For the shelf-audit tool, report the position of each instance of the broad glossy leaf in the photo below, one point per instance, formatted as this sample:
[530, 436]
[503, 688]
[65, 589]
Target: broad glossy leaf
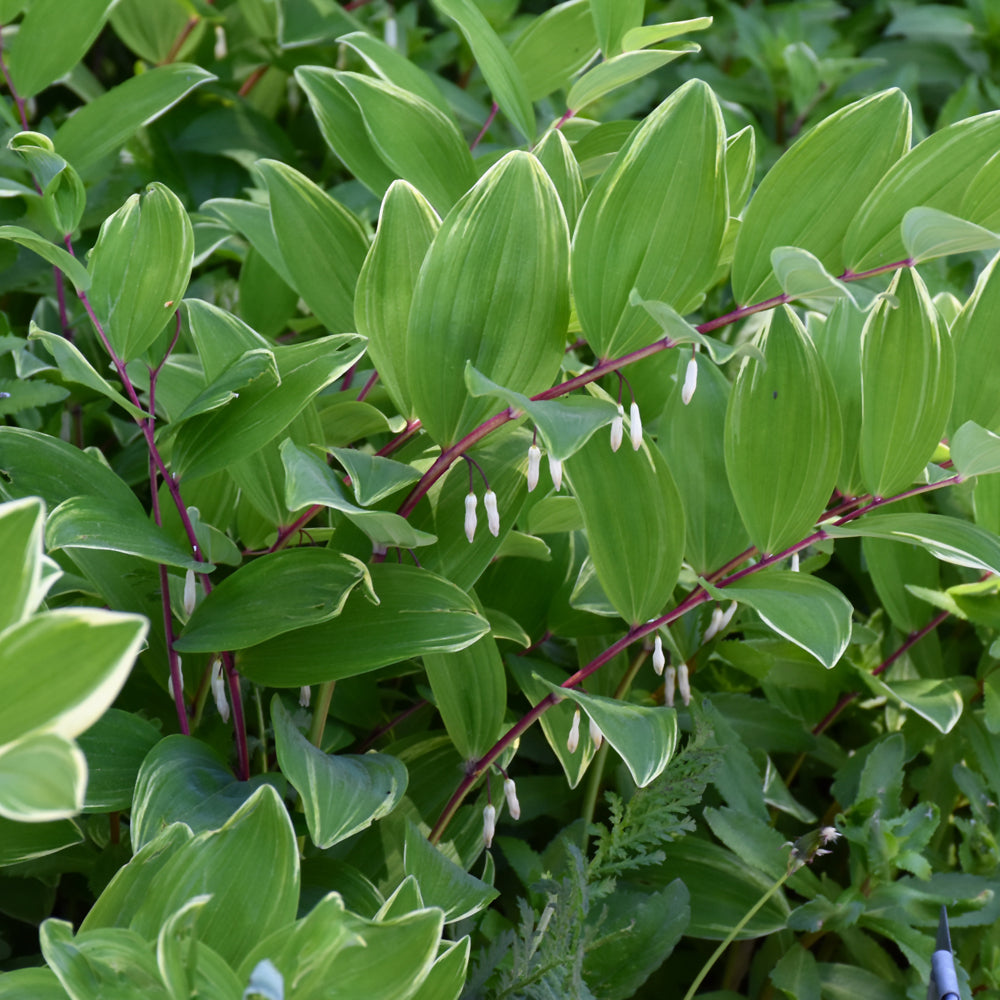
[977, 354]
[635, 524]
[494, 61]
[23, 586]
[235, 379]
[406, 226]
[807, 199]
[36, 689]
[553, 46]
[644, 737]
[659, 212]
[470, 691]
[115, 747]
[783, 437]
[907, 382]
[556, 156]
[503, 253]
[975, 450]
[42, 778]
[418, 613]
[416, 140]
[106, 123]
[810, 612]
[934, 174]
[341, 794]
[691, 439]
[442, 882]
[612, 19]
[322, 244]
[55, 255]
[275, 593]
[928, 233]
[608, 76]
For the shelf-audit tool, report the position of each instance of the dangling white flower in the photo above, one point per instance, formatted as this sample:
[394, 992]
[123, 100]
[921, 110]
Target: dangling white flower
[690, 381]
[510, 793]
[534, 466]
[305, 695]
[659, 660]
[727, 617]
[492, 515]
[618, 428]
[489, 824]
[379, 548]
[596, 736]
[555, 471]
[635, 426]
[170, 679]
[715, 623]
[221, 49]
[573, 740]
[189, 592]
[795, 562]
[670, 686]
[219, 689]
[470, 515]
[684, 684]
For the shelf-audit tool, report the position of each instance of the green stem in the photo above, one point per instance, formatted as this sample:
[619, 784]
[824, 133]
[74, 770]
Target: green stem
[320, 713]
[261, 729]
[594, 779]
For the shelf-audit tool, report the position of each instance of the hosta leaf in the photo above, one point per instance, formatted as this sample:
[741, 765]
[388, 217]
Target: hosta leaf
[659, 211]
[406, 226]
[635, 524]
[783, 437]
[503, 253]
[341, 794]
[907, 381]
[808, 197]
[643, 736]
[928, 233]
[608, 76]
[977, 354]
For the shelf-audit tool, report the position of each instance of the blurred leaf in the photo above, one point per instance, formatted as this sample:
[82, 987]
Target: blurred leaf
[612, 19]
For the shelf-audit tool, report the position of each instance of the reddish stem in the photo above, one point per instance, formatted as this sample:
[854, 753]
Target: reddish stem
[489, 121]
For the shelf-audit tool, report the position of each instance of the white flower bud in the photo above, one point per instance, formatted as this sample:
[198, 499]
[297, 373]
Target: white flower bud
[170, 679]
[618, 428]
[795, 562]
[573, 740]
[659, 660]
[470, 515]
[669, 686]
[714, 625]
[534, 466]
[220, 50]
[635, 426]
[219, 689]
[555, 470]
[489, 824]
[510, 793]
[684, 684]
[690, 381]
[727, 616]
[305, 695]
[379, 548]
[596, 736]
[492, 515]
[189, 592]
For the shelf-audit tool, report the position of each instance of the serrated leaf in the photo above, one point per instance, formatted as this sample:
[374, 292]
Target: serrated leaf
[22, 395]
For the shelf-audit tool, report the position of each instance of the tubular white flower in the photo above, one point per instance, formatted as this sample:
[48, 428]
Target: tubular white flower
[189, 592]
[690, 381]
[684, 684]
[714, 625]
[573, 740]
[534, 466]
[727, 616]
[170, 679]
[618, 428]
[635, 426]
[659, 660]
[670, 686]
[795, 562]
[492, 515]
[305, 695]
[219, 689]
[470, 515]
[555, 470]
[489, 825]
[596, 736]
[510, 793]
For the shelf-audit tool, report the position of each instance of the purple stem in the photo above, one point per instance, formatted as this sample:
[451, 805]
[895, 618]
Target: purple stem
[489, 121]
[368, 386]
[21, 111]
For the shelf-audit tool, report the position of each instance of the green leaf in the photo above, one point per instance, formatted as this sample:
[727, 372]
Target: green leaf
[32, 984]
[807, 199]
[613, 73]
[503, 253]
[418, 613]
[644, 737]
[442, 882]
[42, 778]
[668, 179]
[783, 437]
[797, 974]
[653, 34]
[62, 192]
[741, 163]
[140, 267]
[20, 395]
[977, 354]
[447, 975]
[115, 747]
[803, 277]
[928, 233]
[276, 593]
[934, 174]
[494, 61]
[975, 451]
[420, 143]
[107, 123]
[23, 586]
[253, 222]
[56, 256]
[150, 30]
[341, 794]
[470, 691]
[322, 244]
[556, 156]
[612, 19]
[374, 478]
[979, 203]
[810, 612]
[28, 841]
[937, 701]
[554, 46]
[90, 523]
[905, 353]
[406, 226]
